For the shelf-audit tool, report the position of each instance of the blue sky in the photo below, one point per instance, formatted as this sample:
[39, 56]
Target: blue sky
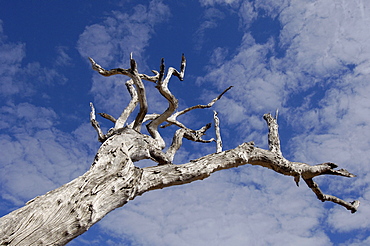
[309, 59]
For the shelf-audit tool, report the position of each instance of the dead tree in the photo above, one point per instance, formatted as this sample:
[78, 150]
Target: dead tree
[68, 211]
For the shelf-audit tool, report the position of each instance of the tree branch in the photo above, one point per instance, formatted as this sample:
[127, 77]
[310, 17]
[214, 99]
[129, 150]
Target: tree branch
[173, 118]
[108, 117]
[134, 75]
[189, 134]
[131, 106]
[352, 206]
[273, 135]
[164, 176]
[218, 134]
[137, 80]
[162, 86]
[95, 124]
[116, 71]
[160, 177]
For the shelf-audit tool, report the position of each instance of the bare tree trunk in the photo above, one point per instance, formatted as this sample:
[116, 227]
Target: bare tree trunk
[68, 211]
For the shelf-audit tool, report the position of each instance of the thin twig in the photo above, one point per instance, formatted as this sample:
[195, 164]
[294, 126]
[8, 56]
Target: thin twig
[173, 117]
[189, 134]
[352, 206]
[108, 117]
[162, 86]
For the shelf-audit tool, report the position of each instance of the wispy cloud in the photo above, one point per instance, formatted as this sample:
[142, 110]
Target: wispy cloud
[18, 78]
[63, 59]
[122, 33]
[37, 157]
[110, 44]
[11, 55]
[210, 19]
[215, 2]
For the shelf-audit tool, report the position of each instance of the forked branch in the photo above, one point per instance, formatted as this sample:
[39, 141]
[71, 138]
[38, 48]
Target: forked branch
[137, 81]
[352, 206]
[307, 172]
[162, 86]
[173, 118]
[189, 134]
[120, 122]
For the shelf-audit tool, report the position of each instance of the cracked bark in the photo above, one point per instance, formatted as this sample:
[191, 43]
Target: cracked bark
[68, 211]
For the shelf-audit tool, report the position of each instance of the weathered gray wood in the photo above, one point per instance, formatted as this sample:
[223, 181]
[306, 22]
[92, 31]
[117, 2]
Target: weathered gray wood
[173, 118]
[218, 133]
[162, 86]
[62, 214]
[68, 211]
[121, 121]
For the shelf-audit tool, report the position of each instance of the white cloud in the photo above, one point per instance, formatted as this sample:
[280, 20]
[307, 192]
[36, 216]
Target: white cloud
[323, 37]
[218, 56]
[63, 59]
[110, 43]
[315, 36]
[215, 2]
[233, 208]
[247, 13]
[257, 89]
[210, 21]
[96, 42]
[36, 156]
[18, 79]
[121, 33]
[11, 56]
[357, 242]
